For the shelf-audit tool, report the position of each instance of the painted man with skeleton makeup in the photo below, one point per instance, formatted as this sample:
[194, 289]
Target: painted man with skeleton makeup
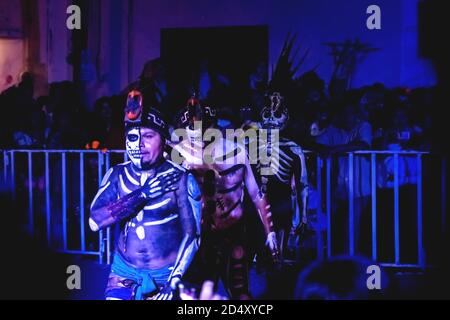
[286, 170]
[223, 171]
[157, 204]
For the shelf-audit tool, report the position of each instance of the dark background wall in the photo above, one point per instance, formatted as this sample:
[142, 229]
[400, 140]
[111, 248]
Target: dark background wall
[122, 35]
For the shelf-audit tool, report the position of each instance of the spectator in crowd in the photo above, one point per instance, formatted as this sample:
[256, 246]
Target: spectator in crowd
[354, 134]
[66, 132]
[30, 134]
[324, 133]
[401, 132]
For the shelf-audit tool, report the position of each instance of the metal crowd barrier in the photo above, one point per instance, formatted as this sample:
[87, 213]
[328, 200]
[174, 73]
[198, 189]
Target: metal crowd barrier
[324, 167]
[27, 184]
[90, 244]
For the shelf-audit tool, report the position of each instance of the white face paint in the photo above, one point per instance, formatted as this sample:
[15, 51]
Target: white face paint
[133, 142]
[276, 115]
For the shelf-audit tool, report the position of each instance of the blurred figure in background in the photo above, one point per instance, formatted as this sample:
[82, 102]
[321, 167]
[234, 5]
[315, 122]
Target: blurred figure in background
[341, 278]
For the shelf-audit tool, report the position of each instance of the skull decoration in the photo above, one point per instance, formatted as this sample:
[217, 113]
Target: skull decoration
[133, 141]
[276, 115]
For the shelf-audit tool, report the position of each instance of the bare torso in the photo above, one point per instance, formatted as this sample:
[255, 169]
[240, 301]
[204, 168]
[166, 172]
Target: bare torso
[151, 239]
[221, 181]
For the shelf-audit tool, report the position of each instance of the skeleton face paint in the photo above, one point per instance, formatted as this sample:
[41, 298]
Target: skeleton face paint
[275, 116]
[144, 146]
[133, 146]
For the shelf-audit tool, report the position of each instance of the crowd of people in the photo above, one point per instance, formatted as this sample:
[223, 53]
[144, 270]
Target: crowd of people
[396, 118]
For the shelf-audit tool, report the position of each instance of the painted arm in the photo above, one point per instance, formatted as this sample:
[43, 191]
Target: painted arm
[107, 208]
[263, 207]
[189, 208]
[301, 182]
